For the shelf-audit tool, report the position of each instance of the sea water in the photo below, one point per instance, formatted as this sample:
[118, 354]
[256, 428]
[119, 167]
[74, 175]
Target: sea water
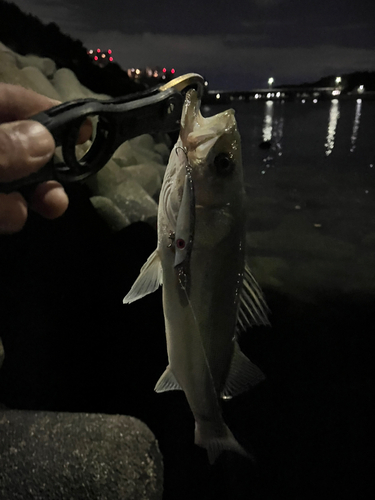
[311, 194]
[310, 183]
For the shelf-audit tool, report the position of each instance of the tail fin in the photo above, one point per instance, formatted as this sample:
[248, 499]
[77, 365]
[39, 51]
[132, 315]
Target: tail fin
[217, 439]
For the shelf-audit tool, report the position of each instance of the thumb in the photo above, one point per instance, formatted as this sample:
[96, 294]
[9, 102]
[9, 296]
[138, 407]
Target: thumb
[25, 146]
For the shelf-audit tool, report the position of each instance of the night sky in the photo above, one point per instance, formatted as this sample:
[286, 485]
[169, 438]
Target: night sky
[235, 44]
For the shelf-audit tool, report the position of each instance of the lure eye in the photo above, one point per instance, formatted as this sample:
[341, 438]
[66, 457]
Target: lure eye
[180, 243]
[224, 164]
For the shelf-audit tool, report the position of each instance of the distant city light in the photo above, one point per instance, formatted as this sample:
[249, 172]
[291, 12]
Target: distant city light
[315, 101]
[257, 96]
[111, 59]
[206, 83]
[270, 81]
[173, 71]
[96, 58]
[361, 89]
[164, 70]
[90, 52]
[268, 95]
[109, 51]
[278, 94]
[336, 92]
[103, 56]
[137, 71]
[338, 80]
[217, 96]
[98, 50]
[359, 101]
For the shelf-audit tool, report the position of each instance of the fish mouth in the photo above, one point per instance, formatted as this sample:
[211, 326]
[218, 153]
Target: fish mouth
[199, 134]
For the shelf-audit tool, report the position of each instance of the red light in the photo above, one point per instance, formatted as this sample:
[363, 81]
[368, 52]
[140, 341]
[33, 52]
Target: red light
[111, 59]
[173, 71]
[98, 50]
[164, 70]
[109, 51]
[96, 58]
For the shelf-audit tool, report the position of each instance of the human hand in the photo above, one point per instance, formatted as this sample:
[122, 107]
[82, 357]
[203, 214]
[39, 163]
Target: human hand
[25, 146]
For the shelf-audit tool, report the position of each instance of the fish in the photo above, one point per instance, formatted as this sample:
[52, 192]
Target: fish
[209, 293]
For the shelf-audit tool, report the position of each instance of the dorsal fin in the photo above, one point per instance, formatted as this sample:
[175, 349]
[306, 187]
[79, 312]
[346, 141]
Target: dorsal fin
[149, 279]
[253, 309]
[242, 375]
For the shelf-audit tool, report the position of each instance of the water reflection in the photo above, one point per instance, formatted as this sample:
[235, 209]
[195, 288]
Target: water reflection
[267, 122]
[272, 133]
[357, 120]
[278, 135]
[334, 115]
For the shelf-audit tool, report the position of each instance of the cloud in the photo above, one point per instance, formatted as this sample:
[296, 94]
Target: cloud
[271, 43]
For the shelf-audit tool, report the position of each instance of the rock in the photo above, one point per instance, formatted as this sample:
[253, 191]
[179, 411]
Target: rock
[45, 65]
[126, 185]
[9, 73]
[40, 82]
[143, 149]
[124, 155]
[144, 141]
[163, 150]
[135, 203]
[60, 456]
[69, 87]
[108, 180]
[108, 211]
[140, 149]
[12, 56]
[147, 176]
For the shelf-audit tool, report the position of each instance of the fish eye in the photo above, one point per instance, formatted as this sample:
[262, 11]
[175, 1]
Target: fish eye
[224, 163]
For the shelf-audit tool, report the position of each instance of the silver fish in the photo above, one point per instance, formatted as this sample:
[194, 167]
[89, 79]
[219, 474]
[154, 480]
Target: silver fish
[209, 294]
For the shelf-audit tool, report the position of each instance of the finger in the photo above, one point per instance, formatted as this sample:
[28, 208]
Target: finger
[17, 103]
[49, 200]
[25, 146]
[13, 213]
[85, 132]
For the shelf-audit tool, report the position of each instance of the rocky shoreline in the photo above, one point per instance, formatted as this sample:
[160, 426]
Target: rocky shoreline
[58, 454]
[126, 189]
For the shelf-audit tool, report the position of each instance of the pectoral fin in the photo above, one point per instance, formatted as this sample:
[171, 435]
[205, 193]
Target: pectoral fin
[242, 375]
[167, 382]
[149, 279]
